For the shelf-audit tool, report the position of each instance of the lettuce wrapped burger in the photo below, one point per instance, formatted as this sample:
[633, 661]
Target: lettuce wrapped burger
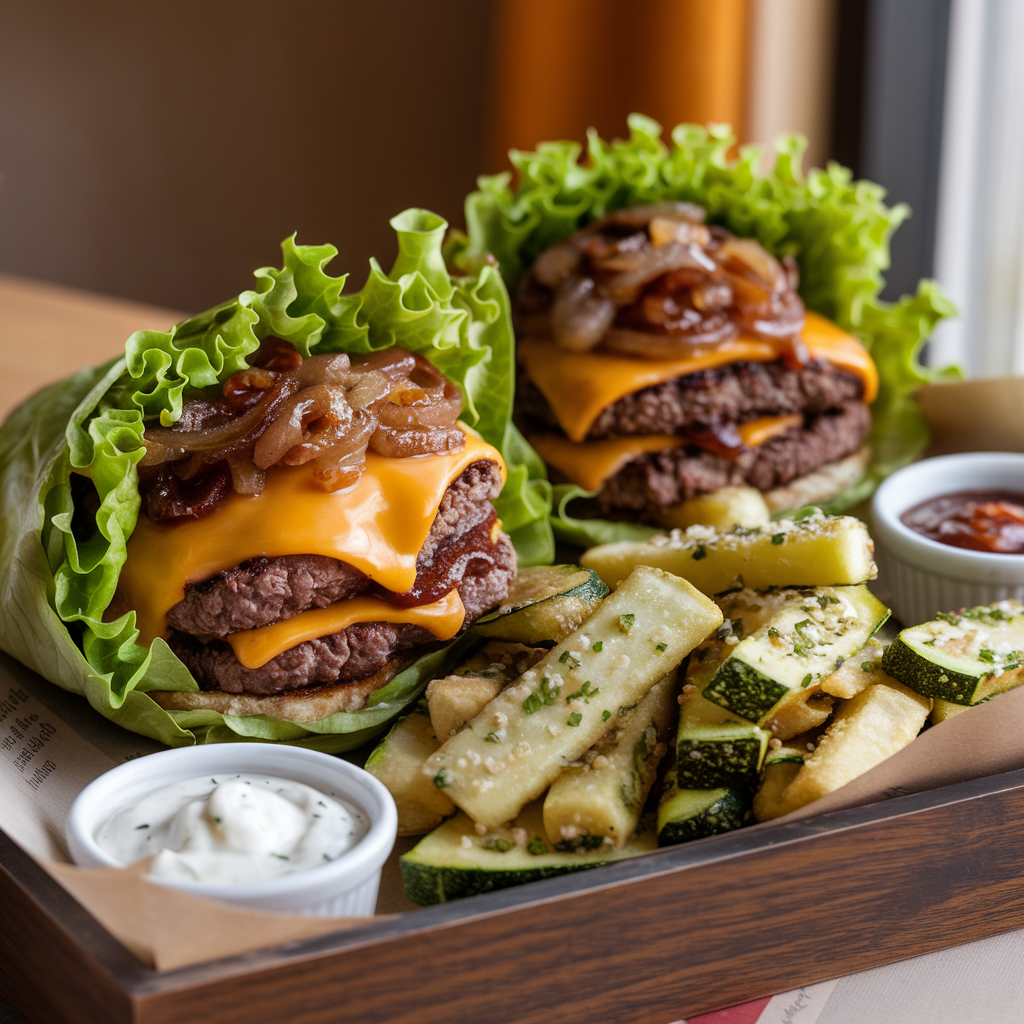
[277, 520]
[686, 323]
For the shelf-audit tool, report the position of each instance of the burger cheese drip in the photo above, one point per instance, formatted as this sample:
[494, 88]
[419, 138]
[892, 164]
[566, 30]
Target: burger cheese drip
[326, 411]
[656, 282]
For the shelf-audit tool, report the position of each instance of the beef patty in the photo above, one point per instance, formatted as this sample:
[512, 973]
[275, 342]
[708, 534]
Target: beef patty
[464, 549]
[727, 394]
[654, 481]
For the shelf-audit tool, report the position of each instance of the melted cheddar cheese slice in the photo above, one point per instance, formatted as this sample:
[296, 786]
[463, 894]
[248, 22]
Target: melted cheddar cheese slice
[590, 463]
[255, 647]
[754, 433]
[379, 527]
[579, 385]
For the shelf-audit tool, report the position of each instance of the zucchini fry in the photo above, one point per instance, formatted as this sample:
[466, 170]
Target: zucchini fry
[868, 728]
[817, 550]
[519, 744]
[722, 509]
[457, 698]
[780, 769]
[397, 761]
[605, 796]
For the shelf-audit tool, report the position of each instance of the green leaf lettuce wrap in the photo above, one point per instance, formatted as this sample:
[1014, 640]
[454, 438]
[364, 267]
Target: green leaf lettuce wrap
[837, 229]
[56, 589]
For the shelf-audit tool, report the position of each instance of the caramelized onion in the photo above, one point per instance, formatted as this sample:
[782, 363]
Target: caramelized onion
[556, 264]
[656, 281]
[402, 444]
[580, 316]
[325, 411]
[671, 346]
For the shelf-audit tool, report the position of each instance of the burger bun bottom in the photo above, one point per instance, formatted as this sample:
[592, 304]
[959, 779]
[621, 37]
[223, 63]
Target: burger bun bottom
[748, 507]
[309, 704]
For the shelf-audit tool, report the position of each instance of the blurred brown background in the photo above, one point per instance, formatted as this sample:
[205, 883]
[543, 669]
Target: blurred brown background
[160, 152]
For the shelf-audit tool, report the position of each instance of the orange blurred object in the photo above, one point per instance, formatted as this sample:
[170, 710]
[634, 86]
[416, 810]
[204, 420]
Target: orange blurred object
[563, 66]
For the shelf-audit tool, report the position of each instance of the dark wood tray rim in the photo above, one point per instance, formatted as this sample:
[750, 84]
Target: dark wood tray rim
[137, 980]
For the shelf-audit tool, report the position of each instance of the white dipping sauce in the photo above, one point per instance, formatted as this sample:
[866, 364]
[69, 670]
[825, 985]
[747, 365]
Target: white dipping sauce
[231, 829]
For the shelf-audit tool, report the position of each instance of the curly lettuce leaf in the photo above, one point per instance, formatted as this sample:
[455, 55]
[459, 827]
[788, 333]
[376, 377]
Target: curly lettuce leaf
[588, 533]
[60, 577]
[838, 230]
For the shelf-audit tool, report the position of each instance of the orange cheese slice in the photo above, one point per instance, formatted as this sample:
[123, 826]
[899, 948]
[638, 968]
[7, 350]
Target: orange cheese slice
[755, 432]
[579, 385]
[590, 463]
[379, 527]
[255, 647]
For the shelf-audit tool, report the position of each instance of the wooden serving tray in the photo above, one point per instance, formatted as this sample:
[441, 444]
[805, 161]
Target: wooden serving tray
[646, 941]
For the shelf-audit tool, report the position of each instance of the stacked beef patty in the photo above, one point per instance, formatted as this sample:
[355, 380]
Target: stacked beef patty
[705, 407]
[657, 283]
[464, 550]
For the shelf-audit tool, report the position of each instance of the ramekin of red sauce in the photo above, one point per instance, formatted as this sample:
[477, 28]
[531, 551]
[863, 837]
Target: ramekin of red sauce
[990, 521]
[949, 533]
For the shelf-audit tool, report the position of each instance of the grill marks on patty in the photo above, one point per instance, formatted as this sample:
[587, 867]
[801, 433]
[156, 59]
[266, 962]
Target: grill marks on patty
[459, 551]
[729, 394]
[652, 482]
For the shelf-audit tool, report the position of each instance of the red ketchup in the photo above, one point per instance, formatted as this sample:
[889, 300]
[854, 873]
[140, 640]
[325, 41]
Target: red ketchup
[991, 521]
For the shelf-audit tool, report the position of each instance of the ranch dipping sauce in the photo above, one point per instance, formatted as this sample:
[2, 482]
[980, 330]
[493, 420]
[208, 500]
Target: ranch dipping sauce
[231, 829]
[990, 521]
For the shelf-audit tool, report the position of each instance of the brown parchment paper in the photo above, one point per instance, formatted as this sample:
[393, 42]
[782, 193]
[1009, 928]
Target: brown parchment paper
[975, 415]
[52, 744]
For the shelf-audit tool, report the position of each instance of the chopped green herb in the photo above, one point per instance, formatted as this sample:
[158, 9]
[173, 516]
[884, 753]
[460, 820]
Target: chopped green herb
[699, 552]
[839, 663]
[806, 680]
[598, 647]
[568, 656]
[532, 704]
[498, 843]
[626, 623]
[583, 693]
[549, 691]
[866, 666]
[574, 719]
[774, 633]
[660, 648]
[217, 820]
[605, 715]
[778, 538]
[986, 655]
[536, 846]
[137, 827]
[441, 779]
[279, 856]
[948, 617]
[492, 737]
[326, 857]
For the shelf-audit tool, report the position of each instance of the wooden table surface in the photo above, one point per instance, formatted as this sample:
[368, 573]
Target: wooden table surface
[48, 332]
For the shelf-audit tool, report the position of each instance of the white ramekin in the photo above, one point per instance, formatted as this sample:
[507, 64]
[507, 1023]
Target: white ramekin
[922, 576]
[346, 887]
